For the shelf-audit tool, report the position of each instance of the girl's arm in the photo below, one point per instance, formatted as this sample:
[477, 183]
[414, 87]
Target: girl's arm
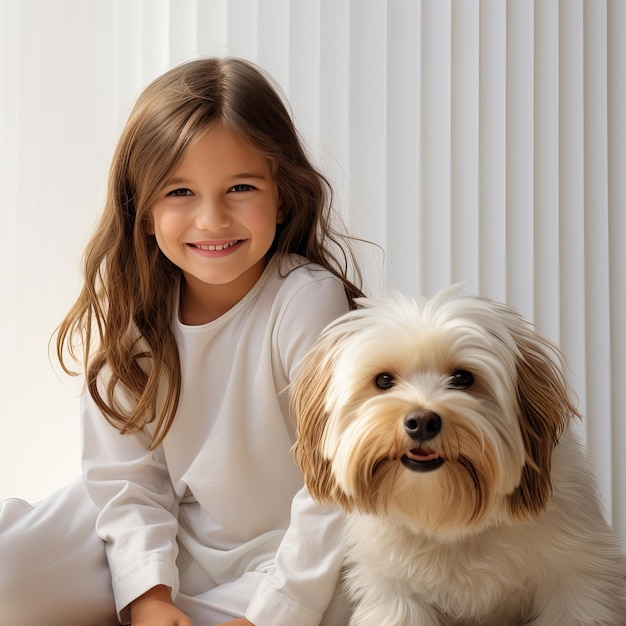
[138, 507]
[307, 568]
[155, 608]
[310, 557]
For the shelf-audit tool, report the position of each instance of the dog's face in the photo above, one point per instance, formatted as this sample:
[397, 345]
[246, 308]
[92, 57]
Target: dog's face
[441, 414]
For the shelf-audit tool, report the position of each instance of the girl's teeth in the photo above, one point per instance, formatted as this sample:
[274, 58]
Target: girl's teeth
[217, 247]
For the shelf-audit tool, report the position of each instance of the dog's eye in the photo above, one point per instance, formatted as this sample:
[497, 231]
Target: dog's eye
[461, 379]
[384, 381]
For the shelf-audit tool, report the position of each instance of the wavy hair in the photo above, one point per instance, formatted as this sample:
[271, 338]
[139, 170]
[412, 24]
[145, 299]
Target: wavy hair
[120, 322]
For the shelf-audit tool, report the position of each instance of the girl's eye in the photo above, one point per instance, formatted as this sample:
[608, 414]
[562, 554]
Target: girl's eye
[242, 187]
[461, 379]
[384, 381]
[180, 192]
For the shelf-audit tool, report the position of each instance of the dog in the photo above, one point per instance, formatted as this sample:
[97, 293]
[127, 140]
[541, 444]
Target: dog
[442, 427]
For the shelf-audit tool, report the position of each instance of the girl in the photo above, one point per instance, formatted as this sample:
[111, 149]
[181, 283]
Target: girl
[213, 269]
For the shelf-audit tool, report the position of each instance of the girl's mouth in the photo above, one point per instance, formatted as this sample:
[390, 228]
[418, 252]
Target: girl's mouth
[216, 247]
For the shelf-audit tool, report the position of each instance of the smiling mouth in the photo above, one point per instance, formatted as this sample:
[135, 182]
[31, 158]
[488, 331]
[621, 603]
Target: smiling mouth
[422, 460]
[215, 247]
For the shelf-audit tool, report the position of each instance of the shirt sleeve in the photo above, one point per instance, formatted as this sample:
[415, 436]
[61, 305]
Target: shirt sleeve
[131, 486]
[308, 562]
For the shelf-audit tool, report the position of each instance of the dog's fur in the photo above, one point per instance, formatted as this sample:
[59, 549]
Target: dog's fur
[469, 498]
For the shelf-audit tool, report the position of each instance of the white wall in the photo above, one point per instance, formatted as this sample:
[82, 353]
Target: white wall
[472, 140]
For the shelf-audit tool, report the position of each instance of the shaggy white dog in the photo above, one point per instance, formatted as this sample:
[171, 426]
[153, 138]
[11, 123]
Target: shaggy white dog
[442, 427]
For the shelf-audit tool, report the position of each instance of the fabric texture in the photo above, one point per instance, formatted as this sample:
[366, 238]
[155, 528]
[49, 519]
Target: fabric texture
[219, 509]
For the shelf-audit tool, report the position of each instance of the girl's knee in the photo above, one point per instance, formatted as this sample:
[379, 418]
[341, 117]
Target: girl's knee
[52, 571]
[16, 554]
[18, 564]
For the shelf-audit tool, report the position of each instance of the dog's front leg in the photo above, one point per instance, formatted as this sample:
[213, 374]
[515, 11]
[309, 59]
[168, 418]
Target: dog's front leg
[586, 604]
[380, 607]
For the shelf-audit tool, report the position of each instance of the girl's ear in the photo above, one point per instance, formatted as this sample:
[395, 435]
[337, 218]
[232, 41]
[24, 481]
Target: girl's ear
[149, 225]
[280, 215]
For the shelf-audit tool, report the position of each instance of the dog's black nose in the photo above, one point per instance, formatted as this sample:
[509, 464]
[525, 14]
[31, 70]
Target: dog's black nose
[422, 424]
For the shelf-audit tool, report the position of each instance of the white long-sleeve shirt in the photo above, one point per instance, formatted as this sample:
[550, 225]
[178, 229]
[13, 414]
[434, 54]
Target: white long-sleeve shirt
[224, 483]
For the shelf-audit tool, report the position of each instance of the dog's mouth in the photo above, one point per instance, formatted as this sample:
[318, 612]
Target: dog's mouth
[422, 460]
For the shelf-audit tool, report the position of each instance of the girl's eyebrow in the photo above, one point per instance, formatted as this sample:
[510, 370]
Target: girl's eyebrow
[179, 180]
[176, 180]
[248, 175]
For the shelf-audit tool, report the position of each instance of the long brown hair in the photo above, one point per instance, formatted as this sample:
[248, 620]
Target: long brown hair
[120, 323]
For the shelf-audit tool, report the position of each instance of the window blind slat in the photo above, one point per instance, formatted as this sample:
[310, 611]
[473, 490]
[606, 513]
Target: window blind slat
[492, 148]
[616, 19]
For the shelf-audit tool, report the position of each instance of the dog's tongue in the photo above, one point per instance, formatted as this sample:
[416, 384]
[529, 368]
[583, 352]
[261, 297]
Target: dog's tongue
[422, 454]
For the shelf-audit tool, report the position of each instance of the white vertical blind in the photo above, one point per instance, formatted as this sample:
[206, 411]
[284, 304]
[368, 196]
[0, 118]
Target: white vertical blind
[492, 162]
[616, 66]
[402, 126]
[472, 140]
[465, 140]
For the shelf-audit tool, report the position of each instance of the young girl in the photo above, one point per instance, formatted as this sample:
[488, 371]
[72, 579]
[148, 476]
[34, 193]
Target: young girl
[213, 269]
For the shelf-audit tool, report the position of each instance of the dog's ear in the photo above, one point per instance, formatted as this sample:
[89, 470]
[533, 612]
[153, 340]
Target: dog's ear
[308, 405]
[545, 412]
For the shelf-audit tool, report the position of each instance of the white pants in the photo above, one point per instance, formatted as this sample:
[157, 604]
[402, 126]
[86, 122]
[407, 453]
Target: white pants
[53, 570]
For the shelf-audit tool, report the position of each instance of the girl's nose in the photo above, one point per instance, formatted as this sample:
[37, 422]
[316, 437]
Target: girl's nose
[211, 216]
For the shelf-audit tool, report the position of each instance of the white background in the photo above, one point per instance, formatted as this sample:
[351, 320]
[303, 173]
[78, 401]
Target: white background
[471, 140]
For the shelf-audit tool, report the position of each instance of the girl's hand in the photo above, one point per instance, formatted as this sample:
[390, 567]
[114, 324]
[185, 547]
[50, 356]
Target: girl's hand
[155, 608]
[242, 621]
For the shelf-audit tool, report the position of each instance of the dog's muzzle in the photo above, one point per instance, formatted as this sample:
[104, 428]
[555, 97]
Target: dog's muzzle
[421, 426]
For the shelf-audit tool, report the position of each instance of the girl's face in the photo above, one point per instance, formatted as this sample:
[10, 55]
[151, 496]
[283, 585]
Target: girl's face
[215, 219]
